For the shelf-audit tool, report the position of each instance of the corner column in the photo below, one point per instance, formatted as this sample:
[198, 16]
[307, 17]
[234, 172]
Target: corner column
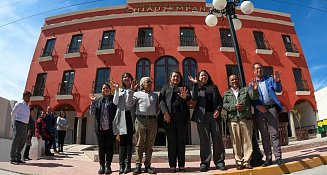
[291, 123]
[79, 130]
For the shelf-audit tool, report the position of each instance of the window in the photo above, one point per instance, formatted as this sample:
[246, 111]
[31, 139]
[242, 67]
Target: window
[47, 50]
[163, 67]
[102, 77]
[144, 38]
[189, 68]
[75, 43]
[301, 84]
[268, 71]
[38, 88]
[226, 38]
[107, 41]
[187, 37]
[290, 47]
[142, 69]
[259, 40]
[67, 83]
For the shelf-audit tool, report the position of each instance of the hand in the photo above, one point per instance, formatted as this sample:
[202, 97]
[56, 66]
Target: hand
[254, 84]
[92, 96]
[276, 75]
[115, 85]
[216, 114]
[134, 85]
[167, 117]
[194, 81]
[239, 106]
[183, 92]
[261, 108]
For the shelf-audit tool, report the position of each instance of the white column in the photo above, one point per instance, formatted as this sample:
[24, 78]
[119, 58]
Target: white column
[79, 130]
[318, 135]
[291, 123]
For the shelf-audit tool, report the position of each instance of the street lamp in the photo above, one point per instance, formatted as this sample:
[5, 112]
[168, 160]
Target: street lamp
[227, 8]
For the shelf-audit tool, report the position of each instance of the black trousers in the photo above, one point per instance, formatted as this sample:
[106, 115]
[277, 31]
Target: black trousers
[176, 131]
[61, 139]
[106, 141]
[127, 139]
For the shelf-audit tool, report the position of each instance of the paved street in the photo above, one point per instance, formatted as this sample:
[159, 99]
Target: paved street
[320, 170]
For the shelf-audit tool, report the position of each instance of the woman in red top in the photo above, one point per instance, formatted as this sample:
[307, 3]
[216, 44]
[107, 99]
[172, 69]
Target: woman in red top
[42, 132]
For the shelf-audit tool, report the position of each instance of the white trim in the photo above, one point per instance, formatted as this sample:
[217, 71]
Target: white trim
[292, 54]
[279, 93]
[147, 1]
[105, 51]
[86, 11]
[227, 49]
[263, 51]
[47, 58]
[303, 92]
[37, 98]
[144, 49]
[188, 48]
[155, 14]
[64, 97]
[72, 55]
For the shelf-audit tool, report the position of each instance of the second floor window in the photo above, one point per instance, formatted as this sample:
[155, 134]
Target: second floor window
[226, 38]
[102, 77]
[187, 37]
[259, 40]
[47, 50]
[67, 83]
[107, 41]
[38, 88]
[75, 43]
[301, 84]
[142, 69]
[144, 38]
[289, 46]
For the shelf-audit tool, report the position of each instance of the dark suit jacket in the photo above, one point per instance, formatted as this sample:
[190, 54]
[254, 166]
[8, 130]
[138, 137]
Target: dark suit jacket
[166, 94]
[198, 95]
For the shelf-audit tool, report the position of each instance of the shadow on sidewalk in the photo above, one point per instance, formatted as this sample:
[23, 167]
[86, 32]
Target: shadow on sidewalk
[52, 165]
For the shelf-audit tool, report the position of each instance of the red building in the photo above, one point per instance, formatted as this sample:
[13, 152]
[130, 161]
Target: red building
[78, 51]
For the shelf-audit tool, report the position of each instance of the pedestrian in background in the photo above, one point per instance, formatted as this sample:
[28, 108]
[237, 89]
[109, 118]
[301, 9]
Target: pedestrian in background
[62, 126]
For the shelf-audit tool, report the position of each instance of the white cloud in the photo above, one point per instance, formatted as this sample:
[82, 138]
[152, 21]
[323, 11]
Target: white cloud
[317, 68]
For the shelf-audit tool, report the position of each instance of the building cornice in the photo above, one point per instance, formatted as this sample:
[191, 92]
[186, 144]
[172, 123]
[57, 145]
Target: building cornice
[150, 1]
[155, 14]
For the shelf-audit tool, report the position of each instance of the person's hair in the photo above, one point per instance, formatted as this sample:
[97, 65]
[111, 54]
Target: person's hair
[123, 75]
[233, 75]
[143, 80]
[181, 83]
[255, 64]
[209, 82]
[63, 112]
[27, 93]
[106, 84]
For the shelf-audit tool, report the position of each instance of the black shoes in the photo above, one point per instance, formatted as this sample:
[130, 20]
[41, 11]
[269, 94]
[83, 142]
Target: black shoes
[102, 169]
[128, 168]
[268, 162]
[221, 167]
[14, 162]
[204, 168]
[279, 162]
[27, 159]
[149, 170]
[107, 170]
[137, 170]
[182, 169]
[20, 161]
[121, 168]
[172, 169]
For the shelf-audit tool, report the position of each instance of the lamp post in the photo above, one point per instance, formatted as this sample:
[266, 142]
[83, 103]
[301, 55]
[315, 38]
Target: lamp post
[227, 8]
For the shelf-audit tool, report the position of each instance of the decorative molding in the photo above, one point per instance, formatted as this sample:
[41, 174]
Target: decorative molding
[144, 49]
[47, 58]
[227, 49]
[188, 48]
[37, 98]
[105, 51]
[64, 97]
[303, 92]
[72, 55]
[264, 51]
[292, 54]
[149, 1]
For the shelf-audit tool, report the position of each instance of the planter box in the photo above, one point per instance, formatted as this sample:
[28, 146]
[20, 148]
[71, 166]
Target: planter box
[302, 134]
[227, 142]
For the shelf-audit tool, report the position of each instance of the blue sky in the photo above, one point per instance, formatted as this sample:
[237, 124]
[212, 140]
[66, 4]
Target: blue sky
[18, 40]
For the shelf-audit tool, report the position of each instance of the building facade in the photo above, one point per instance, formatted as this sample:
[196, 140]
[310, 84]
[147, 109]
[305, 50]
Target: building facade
[77, 52]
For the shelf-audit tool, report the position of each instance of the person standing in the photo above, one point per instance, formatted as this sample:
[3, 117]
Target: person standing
[173, 105]
[237, 103]
[41, 131]
[51, 127]
[20, 117]
[62, 126]
[206, 115]
[30, 133]
[104, 111]
[146, 105]
[123, 122]
[266, 112]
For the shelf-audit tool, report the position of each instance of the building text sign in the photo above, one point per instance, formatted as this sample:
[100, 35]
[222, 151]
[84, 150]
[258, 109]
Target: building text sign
[165, 7]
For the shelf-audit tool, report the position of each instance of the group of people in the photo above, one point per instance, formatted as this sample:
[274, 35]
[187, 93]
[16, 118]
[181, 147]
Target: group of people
[130, 108]
[46, 127]
[134, 109]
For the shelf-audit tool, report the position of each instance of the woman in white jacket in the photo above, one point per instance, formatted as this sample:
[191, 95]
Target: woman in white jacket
[62, 126]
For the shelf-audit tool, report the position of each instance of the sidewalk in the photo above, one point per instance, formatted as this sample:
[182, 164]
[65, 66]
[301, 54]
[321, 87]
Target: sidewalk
[76, 162]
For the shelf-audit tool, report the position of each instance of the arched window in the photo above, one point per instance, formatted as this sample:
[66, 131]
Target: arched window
[163, 67]
[142, 69]
[189, 68]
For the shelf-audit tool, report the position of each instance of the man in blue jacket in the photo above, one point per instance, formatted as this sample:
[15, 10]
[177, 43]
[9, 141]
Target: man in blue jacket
[266, 112]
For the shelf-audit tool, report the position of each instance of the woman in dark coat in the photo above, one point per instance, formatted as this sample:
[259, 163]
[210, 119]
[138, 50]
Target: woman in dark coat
[173, 104]
[206, 115]
[104, 111]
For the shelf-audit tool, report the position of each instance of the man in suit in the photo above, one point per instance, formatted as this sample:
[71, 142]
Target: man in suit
[266, 112]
